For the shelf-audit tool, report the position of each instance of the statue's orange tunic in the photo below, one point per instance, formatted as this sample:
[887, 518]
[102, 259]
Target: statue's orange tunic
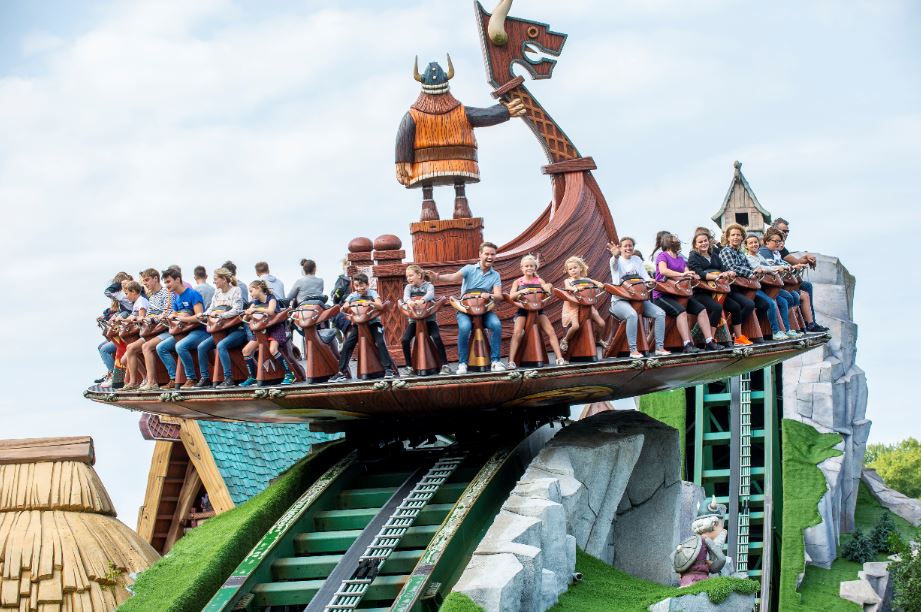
[444, 147]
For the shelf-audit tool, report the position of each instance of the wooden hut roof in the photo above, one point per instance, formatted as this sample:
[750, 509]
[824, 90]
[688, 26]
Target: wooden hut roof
[61, 547]
[739, 182]
[249, 455]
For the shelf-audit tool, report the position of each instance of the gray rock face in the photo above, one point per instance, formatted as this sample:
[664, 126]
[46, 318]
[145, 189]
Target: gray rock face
[608, 483]
[826, 389]
[736, 602]
[908, 508]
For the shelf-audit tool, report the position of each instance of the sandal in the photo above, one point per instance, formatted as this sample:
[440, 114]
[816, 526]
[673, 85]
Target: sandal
[564, 345]
[661, 352]
[636, 355]
[561, 362]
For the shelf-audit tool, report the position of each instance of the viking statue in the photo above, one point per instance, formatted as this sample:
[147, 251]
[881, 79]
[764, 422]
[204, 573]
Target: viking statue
[702, 554]
[435, 143]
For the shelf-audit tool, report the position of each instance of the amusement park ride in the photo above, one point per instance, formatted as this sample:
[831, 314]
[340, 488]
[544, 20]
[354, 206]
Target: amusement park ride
[417, 512]
[564, 228]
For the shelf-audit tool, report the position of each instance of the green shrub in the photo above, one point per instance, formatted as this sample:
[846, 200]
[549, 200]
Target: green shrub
[858, 549]
[879, 537]
[906, 577]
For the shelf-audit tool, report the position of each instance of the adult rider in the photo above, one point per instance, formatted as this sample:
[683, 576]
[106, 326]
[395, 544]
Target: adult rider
[480, 276]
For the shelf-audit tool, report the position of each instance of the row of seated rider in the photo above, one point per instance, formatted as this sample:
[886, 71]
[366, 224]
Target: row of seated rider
[726, 261]
[307, 289]
[178, 301]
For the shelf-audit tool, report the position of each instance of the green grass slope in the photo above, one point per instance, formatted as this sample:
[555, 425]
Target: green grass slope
[804, 485]
[606, 588]
[186, 577]
[668, 407]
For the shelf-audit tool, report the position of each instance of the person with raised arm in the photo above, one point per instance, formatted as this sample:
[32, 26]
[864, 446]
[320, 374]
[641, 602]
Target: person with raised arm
[483, 277]
[705, 262]
[671, 265]
[226, 303]
[625, 266]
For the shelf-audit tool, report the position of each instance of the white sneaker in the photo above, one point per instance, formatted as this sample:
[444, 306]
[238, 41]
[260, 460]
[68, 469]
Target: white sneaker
[497, 366]
[779, 335]
[461, 368]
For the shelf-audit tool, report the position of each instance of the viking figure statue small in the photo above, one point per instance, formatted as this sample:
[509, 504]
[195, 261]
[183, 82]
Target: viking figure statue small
[702, 554]
[435, 143]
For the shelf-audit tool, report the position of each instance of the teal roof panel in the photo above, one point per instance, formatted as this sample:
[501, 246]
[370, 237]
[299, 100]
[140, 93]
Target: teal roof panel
[250, 455]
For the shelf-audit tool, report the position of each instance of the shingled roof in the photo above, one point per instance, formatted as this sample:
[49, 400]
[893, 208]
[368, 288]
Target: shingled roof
[250, 455]
[740, 186]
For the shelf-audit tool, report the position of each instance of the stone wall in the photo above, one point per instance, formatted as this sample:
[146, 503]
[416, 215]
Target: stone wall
[827, 390]
[609, 484]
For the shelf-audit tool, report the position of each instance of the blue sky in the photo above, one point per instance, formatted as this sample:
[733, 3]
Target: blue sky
[251, 131]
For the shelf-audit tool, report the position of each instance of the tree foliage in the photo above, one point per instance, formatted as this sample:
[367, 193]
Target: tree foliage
[859, 549]
[879, 537]
[906, 576]
[898, 464]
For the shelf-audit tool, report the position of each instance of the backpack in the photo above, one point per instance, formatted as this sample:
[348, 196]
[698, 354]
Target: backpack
[341, 289]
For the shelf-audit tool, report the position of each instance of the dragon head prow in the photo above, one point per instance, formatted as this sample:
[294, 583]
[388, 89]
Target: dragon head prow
[506, 41]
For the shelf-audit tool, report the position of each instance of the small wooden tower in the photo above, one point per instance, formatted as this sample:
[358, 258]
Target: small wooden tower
[61, 547]
[742, 206]
[203, 468]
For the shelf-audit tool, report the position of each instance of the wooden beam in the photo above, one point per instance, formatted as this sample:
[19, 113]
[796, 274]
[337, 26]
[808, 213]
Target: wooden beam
[200, 455]
[33, 450]
[159, 464]
[190, 487]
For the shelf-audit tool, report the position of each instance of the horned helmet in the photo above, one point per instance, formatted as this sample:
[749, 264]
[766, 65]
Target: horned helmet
[434, 80]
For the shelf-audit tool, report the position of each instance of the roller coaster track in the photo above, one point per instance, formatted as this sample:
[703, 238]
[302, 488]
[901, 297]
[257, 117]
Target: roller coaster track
[391, 531]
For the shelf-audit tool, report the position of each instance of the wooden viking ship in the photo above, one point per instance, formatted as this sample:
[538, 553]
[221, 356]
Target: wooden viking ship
[577, 221]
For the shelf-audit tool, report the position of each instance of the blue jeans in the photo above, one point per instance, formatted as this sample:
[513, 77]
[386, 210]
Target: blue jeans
[107, 352]
[464, 326]
[786, 300]
[183, 349]
[234, 339]
[771, 310]
[807, 287]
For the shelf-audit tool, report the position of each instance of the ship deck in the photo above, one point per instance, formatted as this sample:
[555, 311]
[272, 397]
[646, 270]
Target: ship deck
[456, 397]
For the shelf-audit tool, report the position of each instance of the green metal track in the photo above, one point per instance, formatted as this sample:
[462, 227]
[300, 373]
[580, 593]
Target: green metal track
[735, 458]
[290, 564]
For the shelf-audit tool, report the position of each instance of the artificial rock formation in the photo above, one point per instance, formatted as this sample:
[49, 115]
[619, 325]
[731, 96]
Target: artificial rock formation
[908, 508]
[700, 602]
[61, 547]
[827, 390]
[609, 484]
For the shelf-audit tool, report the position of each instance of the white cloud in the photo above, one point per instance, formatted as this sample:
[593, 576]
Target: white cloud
[192, 132]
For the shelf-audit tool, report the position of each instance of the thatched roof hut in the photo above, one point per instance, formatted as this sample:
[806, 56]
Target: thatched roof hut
[61, 547]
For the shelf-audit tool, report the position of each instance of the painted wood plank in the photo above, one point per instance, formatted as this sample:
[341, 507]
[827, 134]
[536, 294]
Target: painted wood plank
[200, 455]
[159, 464]
[30, 450]
[187, 493]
